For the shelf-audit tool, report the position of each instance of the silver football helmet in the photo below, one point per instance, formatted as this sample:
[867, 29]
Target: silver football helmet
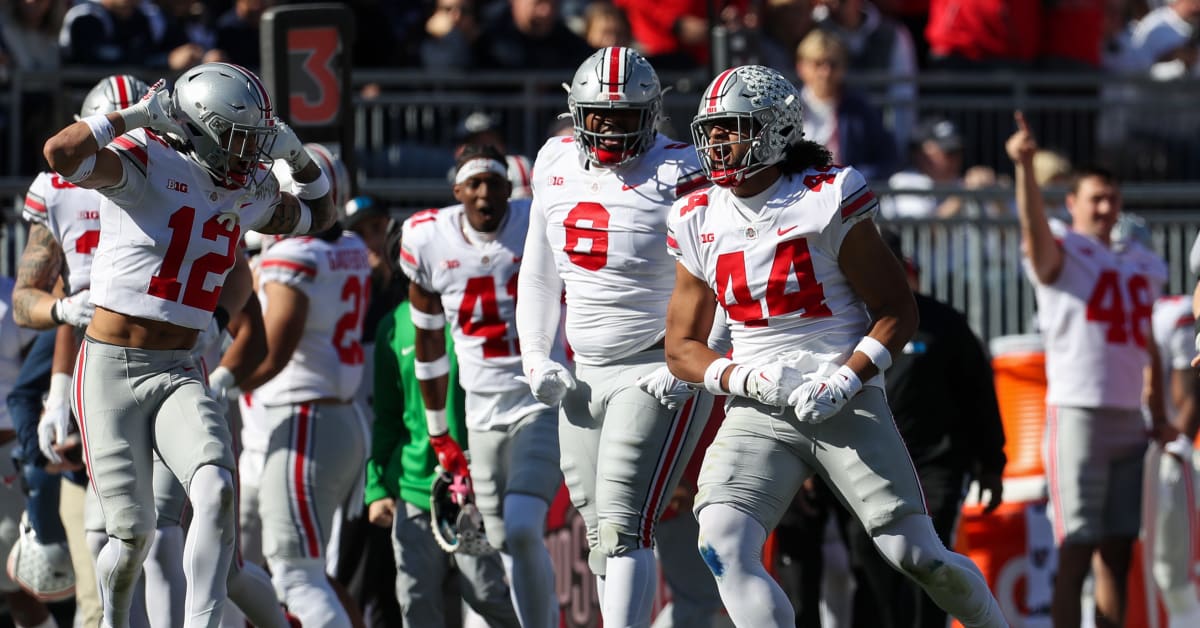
[227, 115]
[456, 522]
[1131, 228]
[763, 108]
[112, 93]
[331, 164]
[615, 78]
[520, 174]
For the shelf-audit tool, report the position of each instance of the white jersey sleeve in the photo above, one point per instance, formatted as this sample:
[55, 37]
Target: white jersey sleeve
[410, 262]
[72, 216]
[1095, 318]
[336, 278]
[170, 234]
[539, 290]
[1173, 326]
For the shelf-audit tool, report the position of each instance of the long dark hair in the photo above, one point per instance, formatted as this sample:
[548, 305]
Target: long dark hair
[803, 154]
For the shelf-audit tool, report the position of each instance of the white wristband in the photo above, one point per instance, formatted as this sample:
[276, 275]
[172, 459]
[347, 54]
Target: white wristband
[313, 189]
[101, 128]
[60, 387]
[426, 371]
[304, 223]
[435, 421]
[83, 171]
[876, 352]
[712, 376]
[425, 320]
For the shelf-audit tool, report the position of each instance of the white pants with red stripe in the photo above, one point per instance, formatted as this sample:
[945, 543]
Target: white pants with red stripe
[313, 461]
[623, 453]
[1172, 527]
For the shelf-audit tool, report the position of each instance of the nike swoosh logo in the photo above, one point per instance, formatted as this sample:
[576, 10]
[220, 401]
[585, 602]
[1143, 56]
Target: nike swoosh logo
[782, 231]
[407, 350]
[627, 187]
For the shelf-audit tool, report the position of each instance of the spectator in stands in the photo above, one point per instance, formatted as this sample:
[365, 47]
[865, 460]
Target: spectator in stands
[878, 45]
[453, 34]
[29, 43]
[29, 35]
[784, 25]
[839, 117]
[531, 36]
[1164, 41]
[237, 34]
[936, 154]
[943, 398]
[605, 25]
[984, 34]
[674, 34]
[188, 30]
[115, 32]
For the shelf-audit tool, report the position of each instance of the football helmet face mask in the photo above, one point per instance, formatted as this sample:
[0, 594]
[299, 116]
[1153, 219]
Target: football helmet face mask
[764, 110]
[615, 80]
[227, 115]
[112, 93]
[456, 523]
[332, 165]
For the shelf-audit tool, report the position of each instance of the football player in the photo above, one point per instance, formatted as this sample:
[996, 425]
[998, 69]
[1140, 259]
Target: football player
[817, 304]
[182, 174]
[463, 262]
[600, 202]
[314, 293]
[1094, 304]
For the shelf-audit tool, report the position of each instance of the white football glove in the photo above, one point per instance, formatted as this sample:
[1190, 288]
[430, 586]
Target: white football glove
[549, 381]
[55, 424]
[1198, 343]
[822, 398]
[665, 387]
[155, 110]
[769, 384]
[222, 385]
[288, 147]
[76, 310]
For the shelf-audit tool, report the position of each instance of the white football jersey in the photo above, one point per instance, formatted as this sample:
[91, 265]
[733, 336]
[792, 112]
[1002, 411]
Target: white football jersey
[72, 215]
[336, 278]
[478, 288]
[13, 341]
[605, 229]
[775, 271]
[170, 233]
[1175, 334]
[1095, 319]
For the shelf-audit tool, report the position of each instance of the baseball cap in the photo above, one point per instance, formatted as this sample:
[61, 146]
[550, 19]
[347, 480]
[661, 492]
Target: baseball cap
[475, 123]
[940, 131]
[361, 207]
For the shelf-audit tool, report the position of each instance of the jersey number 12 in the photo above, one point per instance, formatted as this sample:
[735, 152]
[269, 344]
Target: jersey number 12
[165, 285]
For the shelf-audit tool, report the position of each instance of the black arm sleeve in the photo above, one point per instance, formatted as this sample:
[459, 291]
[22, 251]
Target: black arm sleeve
[975, 391]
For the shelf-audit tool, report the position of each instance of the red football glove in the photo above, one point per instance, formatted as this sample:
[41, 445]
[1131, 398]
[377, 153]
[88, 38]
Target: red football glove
[449, 455]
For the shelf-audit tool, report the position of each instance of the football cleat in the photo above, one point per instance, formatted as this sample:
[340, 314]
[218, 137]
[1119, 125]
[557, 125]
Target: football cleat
[42, 570]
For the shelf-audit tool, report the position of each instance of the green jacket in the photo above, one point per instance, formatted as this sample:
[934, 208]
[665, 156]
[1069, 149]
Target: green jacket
[402, 462]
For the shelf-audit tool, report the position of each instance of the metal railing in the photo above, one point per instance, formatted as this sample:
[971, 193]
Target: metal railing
[1145, 129]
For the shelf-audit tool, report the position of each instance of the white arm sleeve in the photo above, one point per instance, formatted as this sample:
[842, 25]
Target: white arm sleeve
[539, 294]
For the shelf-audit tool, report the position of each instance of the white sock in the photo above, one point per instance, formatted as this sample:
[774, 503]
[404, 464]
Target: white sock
[952, 581]
[209, 546]
[731, 543]
[600, 590]
[166, 586]
[530, 572]
[630, 580]
[118, 568]
[302, 584]
[251, 590]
